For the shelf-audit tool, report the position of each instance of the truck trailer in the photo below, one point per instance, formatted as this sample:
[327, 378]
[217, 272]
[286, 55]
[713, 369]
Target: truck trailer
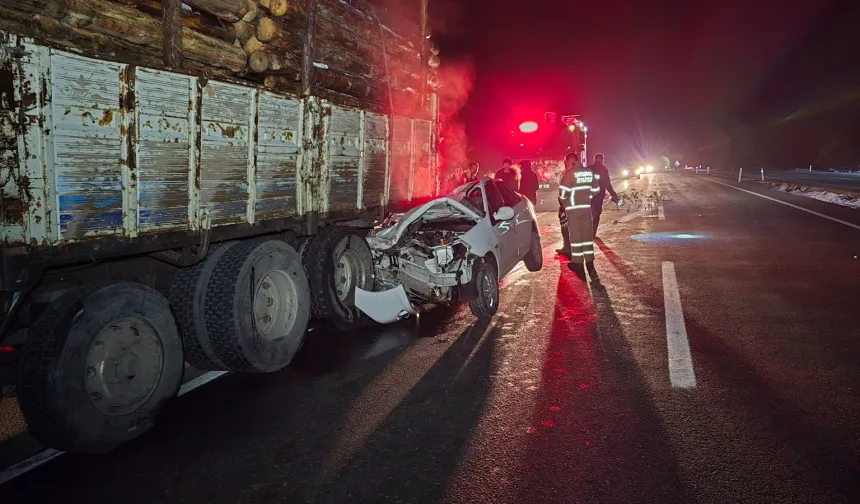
[159, 219]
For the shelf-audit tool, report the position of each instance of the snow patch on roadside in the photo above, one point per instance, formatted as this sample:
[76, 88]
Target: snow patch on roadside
[844, 199]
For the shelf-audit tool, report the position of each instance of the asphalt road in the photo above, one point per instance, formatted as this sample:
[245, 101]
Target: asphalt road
[827, 180]
[568, 395]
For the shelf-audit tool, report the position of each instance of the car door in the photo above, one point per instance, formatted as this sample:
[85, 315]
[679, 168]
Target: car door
[522, 218]
[505, 231]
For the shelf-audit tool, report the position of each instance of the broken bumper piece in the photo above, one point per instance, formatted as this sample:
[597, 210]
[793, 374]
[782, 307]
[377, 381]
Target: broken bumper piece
[386, 306]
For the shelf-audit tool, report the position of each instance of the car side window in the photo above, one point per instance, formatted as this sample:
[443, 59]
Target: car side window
[494, 198]
[509, 195]
[476, 198]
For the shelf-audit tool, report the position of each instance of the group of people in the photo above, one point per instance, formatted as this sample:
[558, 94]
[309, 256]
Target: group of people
[524, 182]
[581, 191]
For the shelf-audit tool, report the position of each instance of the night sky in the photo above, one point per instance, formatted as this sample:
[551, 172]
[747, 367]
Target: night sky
[672, 78]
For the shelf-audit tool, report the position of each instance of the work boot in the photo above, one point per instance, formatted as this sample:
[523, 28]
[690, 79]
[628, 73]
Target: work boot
[565, 248]
[578, 269]
[592, 272]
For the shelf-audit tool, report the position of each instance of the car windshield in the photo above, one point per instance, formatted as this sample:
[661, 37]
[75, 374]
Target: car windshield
[470, 195]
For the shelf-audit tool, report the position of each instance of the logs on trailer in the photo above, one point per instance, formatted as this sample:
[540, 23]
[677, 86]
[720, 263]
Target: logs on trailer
[360, 50]
[228, 10]
[130, 25]
[212, 27]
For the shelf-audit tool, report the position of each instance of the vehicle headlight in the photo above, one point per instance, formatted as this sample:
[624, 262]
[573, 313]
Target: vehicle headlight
[649, 168]
[639, 170]
[626, 172]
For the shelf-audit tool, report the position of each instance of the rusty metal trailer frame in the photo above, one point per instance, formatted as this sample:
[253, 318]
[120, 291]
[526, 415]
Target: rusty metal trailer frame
[103, 159]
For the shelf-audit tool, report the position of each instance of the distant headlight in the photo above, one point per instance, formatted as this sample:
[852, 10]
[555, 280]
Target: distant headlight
[639, 170]
[649, 169]
[626, 172]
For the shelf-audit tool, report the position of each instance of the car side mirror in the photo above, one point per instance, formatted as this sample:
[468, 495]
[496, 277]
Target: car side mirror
[504, 213]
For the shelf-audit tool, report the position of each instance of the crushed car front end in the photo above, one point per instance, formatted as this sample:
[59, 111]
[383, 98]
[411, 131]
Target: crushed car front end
[421, 257]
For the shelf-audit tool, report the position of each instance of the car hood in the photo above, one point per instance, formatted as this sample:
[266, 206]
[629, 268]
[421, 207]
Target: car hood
[398, 224]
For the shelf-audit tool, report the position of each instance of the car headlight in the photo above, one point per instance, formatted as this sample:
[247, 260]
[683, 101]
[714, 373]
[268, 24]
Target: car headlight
[649, 169]
[640, 170]
[626, 172]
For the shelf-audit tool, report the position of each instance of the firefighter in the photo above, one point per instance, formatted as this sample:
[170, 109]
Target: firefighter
[577, 187]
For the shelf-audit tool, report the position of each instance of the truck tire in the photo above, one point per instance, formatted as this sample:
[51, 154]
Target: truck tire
[534, 258]
[99, 366]
[188, 297]
[257, 306]
[486, 303]
[337, 260]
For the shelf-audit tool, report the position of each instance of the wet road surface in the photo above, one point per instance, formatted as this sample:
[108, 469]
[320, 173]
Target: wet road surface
[566, 395]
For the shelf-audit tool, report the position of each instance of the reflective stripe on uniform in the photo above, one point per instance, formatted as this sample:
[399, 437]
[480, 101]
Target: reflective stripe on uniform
[577, 254]
[577, 207]
[581, 244]
[591, 252]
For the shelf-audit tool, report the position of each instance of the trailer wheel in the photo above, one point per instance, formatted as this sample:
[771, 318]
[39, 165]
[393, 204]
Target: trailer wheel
[486, 303]
[187, 297]
[257, 306]
[98, 367]
[534, 258]
[337, 261]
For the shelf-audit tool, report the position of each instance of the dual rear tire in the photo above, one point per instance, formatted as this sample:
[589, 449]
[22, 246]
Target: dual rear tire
[101, 362]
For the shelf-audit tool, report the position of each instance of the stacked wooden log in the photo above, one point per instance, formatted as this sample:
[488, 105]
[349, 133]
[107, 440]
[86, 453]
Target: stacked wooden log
[362, 53]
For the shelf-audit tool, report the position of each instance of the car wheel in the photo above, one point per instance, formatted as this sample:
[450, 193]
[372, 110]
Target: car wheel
[534, 258]
[99, 366]
[486, 303]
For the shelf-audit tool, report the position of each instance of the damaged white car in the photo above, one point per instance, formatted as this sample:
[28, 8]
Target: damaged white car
[452, 249]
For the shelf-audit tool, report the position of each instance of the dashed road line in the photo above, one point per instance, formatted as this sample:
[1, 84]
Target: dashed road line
[660, 214]
[681, 373]
[50, 454]
[813, 212]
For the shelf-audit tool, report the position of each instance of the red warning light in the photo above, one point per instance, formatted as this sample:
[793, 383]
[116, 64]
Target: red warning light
[529, 127]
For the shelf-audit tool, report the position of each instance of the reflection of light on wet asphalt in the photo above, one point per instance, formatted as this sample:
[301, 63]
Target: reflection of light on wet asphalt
[670, 237]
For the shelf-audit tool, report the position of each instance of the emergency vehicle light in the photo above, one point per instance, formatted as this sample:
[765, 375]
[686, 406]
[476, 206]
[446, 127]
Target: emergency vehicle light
[529, 127]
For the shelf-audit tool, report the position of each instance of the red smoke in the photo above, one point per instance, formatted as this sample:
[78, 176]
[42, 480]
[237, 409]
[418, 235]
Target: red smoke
[456, 80]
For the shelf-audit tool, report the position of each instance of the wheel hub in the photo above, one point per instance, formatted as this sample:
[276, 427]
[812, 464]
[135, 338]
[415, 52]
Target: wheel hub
[487, 289]
[346, 276]
[124, 366]
[275, 309]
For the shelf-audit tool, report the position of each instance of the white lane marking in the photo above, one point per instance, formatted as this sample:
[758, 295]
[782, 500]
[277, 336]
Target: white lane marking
[28, 465]
[49, 454]
[660, 214]
[200, 380]
[834, 219]
[681, 372]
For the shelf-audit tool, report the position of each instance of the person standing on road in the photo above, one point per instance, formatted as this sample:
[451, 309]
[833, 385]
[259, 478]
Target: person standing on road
[528, 181]
[576, 189]
[455, 180]
[602, 175]
[508, 175]
[471, 174]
